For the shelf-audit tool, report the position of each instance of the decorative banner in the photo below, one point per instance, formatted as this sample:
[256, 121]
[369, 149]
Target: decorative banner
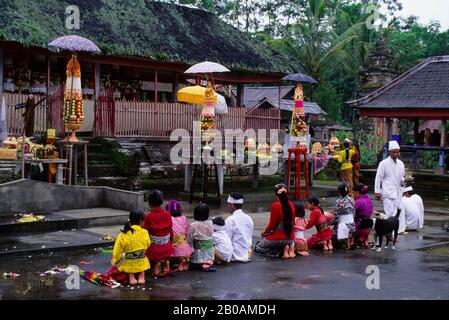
[208, 113]
[73, 98]
[299, 126]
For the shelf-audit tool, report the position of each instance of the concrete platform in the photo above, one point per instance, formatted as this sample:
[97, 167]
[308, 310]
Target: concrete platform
[65, 220]
[28, 245]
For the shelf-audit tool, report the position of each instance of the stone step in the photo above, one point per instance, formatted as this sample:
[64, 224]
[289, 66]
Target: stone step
[122, 183]
[31, 245]
[103, 170]
[65, 220]
[96, 148]
[98, 156]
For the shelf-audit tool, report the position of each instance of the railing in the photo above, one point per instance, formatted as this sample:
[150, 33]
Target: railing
[115, 118]
[14, 118]
[263, 119]
[119, 118]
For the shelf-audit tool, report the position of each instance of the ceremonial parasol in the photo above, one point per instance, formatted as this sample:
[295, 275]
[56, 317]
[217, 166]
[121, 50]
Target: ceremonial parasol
[299, 77]
[194, 95]
[73, 98]
[74, 43]
[206, 67]
[210, 100]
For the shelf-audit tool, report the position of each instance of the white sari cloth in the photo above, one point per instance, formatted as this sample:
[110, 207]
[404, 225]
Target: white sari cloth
[418, 201]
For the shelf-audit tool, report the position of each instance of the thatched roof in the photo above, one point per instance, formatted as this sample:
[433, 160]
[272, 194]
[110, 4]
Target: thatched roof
[425, 86]
[150, 29]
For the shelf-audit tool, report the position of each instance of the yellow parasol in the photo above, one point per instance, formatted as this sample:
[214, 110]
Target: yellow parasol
[194, 95]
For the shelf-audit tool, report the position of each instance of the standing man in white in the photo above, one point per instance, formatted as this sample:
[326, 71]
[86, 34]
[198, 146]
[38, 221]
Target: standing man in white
[239, 227]
[388, 187]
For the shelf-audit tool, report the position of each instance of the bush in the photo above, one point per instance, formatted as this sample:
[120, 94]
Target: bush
[322, 176]
[428, 159]
[368, 158]
[9, 177]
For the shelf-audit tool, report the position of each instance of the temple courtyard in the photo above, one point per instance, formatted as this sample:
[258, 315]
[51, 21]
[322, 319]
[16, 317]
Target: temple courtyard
[418, 269]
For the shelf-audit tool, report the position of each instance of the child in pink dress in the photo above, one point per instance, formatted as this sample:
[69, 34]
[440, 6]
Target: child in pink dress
[299, 228]
[182, 250]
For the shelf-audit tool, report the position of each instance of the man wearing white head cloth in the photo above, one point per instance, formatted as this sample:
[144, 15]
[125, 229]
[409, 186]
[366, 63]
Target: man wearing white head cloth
[389, 179]
[239, 227]
[414, 209]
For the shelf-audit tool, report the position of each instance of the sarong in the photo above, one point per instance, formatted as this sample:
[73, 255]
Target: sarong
[346, 176]
[356, 173]
[362, 235]
[272, 248]
[203, 251]
[317, 239]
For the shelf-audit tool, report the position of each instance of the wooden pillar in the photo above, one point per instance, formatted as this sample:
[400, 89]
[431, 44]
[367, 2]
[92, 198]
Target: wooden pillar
[86, 178]
[97, 81]
[442, 160]
[443, 133]
[416, 131]
[389, 129]
[395, 127]
[240, 93]
[49, 115]
[48, 76]
[1, 70]
[156, 124]
[175, 86]
[155, 89]
[279, 96]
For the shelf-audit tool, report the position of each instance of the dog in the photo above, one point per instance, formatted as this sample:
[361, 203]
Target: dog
[384, 227]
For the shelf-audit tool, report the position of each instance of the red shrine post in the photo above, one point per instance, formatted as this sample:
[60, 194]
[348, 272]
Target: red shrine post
[299, 152]
[299, 134]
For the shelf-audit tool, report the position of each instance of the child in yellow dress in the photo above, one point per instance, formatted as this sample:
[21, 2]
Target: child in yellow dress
[130, 247]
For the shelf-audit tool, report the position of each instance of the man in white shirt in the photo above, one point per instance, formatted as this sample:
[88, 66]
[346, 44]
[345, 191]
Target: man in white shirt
[239, 227]
[388, 186]
[414, 209]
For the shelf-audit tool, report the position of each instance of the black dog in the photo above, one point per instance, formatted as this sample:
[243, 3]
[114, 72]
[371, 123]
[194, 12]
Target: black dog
[384, 228]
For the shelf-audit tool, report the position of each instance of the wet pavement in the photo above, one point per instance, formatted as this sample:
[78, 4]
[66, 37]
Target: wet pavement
[337, 275]
[418, 269]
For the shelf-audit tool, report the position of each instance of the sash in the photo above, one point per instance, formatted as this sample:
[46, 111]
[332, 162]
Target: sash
[160, 240]
[179, 239]
[203, 244]
[322, 226]
[136, 255]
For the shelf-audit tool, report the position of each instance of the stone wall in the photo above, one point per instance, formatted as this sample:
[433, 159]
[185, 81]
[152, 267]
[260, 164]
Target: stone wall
[25, 196]
[429, 184]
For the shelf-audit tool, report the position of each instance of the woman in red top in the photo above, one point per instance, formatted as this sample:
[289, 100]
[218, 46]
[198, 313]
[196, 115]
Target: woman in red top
[278, 236]
[158, 222]
[322, 223]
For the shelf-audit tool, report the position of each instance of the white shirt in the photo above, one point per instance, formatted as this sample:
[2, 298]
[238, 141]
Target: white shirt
[419, 203]
[239, 227]
[389, 178]
[411, 212]
[222, 243]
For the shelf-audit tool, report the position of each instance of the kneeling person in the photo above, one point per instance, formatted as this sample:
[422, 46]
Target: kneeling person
[239, 227]
[222, 243]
